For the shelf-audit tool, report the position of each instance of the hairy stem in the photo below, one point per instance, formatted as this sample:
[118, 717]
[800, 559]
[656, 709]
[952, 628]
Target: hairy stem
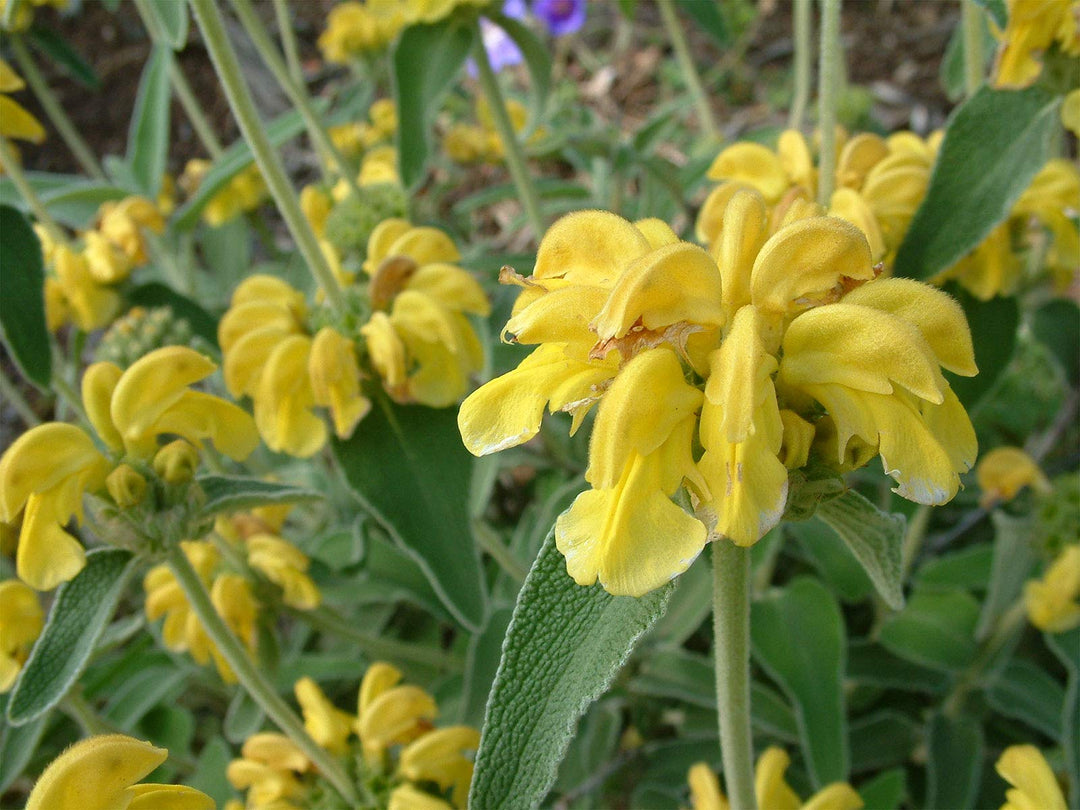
[803, 23]
[830, 61]
[686, 64]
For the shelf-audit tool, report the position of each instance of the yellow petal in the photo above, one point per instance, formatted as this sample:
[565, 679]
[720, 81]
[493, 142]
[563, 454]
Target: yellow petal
[242, 319]
[94, 774]
[98, 384]
[378, 678]
[1070, 112]
[425, 245]
[439, 756]
[328, 725]
[168, 797]
[40, 459]
[754, 165]
[591, 248]
[335, 380]
[398, 715]
[246, 359]
[1025, 768]
[795, 157]
[709, 224]
[744, 232]
[16, 122]
[385, 234]
[410, 797]
[1004, 471]
[197, 415]
[656, 231]
[769, 786]
[450, 286]
[1052, 603]
[705, 789]
[21, 616]
[858, 157]
[849, 205]
[560, 316]
[837, 796]
[269, 290]
[152, 384]
[284, 400]
[386, 350]
[10, 81]
[276, 750]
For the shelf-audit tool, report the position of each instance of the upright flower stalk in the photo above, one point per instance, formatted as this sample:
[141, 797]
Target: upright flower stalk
[974, 52]
[831, 53]
[803, 24]
[243, 107]
[686, 64]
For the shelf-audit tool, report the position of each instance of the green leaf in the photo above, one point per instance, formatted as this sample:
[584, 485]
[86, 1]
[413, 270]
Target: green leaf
[130, 700]
[689, 606]
[148, 137]
[62, 53]
[564, 645]
[797, 636]
[885, 791]
[1066, 646]
[1013, 560]
[997, 11]
[831, 557]
[993, 332]
[951, 71]
[1025, 692]
[409, 469]
[243, 718]
[172, 17]
[882, 740]
[968, 568]
[954, 762]
[77, 204]
[1056, 325]
[537, 57]
[994, 145]
[156, 294]
[870, 663]
[22, 306]
[481, 664]
[234, 160]
[235, 493]
[79, 614]
[17, 747]
[874, 537]
[677, 674]
[709, 18]
[936, 629]
[209, 774]
[592, 746]
[442, 49]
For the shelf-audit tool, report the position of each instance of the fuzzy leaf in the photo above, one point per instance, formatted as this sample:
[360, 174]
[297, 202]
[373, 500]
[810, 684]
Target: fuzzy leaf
[22, 306]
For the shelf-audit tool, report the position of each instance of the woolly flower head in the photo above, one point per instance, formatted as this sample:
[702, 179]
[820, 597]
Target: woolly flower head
[774, 351]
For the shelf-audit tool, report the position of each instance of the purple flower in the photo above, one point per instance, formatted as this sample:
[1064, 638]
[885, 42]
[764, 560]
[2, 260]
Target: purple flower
[560, 16]
[502, 51]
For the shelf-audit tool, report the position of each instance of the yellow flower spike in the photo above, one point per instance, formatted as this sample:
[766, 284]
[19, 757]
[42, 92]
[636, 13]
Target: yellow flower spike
[938, 316]
[328, 725]
[673, 284]
[396, 716]
[705, 789]
[1004, 471]
[126, 486]
[507, 411]
[753, 165]
[591, 248]
[1053, 603]
[807, 261]
[21, 621]
[742, 433]
[98, 773]
[284, 565]
[1033, 26]
[743, 233]
[626, 532]
[91, 304]
[176, 462]
[657, 232]
[107, 264]
[98, 384]
[44, 473]
[992, 268]
[335, 380]
[152, 385]
[798, 163]
[442, 367]
[1034, 784]
[284, 399]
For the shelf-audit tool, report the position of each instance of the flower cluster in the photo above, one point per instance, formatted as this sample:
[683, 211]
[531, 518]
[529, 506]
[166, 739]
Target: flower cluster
[403, 756]
[1033, 27]
[773, 350]
[21, 620]
[480, 143]
[244, 192]
[45, 473]
[100, 773]
[880, 183]
[770, 788]
[355, 29]
[355, 138]
[410, 331]
[81, 287]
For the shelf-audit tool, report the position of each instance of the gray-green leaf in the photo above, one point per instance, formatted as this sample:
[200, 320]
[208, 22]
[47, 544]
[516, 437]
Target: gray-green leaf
[148, 137]
[564, 645]
[235, 493]
[78, 616]
[22, 306]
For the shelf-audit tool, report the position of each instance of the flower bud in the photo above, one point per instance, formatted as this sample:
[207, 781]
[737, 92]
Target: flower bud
[176, 462]
[126, 486]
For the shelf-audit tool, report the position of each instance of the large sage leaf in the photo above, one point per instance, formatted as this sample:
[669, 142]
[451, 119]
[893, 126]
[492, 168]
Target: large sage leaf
[935, 629]
[564, 645]
[875, 538]
[78, 616]
[22, 306]
[954, 762]
[409, 469]
[994, 145]
[798, 637]
[148, 137]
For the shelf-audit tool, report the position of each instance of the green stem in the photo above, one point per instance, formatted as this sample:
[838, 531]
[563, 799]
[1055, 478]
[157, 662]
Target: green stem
[181, 88]
[515, 158]
[78, 709]
[803, 23]
[829, 65]
[288, 41]
[10, 164]
[489, 541]
[686, 64]
[731, 646]
[251, 677]
[974, 56]
[14, 397]
[84, 155]
[1008, 626]
[329, 621]
[260, 38]
[254, 130]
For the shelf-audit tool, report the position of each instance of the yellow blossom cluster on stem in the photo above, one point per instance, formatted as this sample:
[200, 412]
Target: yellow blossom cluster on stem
[392, 735]
[412, 333]
[244, 192]
[480, 143]
[880, 183]
[779, 345]
[771, 790]
[1033, 27]
[21, 621]
[81, 285]
[1004, 471]
[103, 773]
[46, 472]
[357, 137]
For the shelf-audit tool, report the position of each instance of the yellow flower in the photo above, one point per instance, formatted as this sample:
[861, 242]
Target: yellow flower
[106, 262]
[410, 797]
[15, 121]
[1004, 471]
[100, 773]
[1034, 785]
[21, 620]
[1033, 26]
[439, 757]
[771, 791]
[285, 565]
[244, 192]
[268, 769]
[90, 304]
[1053, 603]
[388, 714]
[328, 726]
[44, 475]
[122, 223]
[335, 380]
[466, 143]
[354, 28]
